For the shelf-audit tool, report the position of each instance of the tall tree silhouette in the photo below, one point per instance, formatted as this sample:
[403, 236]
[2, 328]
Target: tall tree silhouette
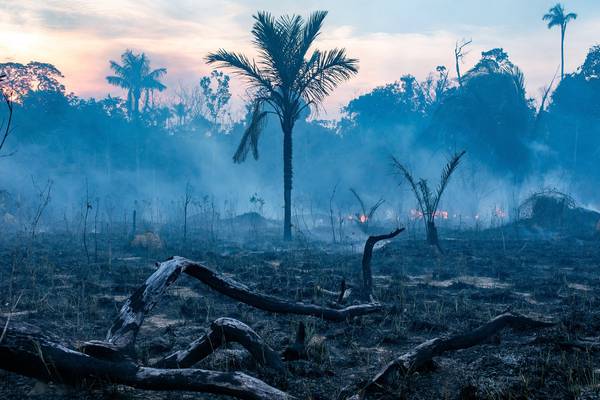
[285, 79]
[556, 17]
[135, 76]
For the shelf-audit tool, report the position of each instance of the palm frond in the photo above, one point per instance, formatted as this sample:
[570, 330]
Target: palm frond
[152, 80]
[119, 69]
[241, 66]
[118, 81]
[302, 39]
[362, 204]
[570, 16]
[327, 70]
[374, 208]
[445, 178]
[312, 29]
[251, 135]
[269, 38]
[157, 73]
[409, 178]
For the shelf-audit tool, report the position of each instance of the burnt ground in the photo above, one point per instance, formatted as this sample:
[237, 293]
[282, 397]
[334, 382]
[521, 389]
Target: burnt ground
[49, 283]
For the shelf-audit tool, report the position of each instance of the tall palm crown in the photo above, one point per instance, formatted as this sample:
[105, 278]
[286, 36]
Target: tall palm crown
[556, 17]
[134, 75]
[285, 79]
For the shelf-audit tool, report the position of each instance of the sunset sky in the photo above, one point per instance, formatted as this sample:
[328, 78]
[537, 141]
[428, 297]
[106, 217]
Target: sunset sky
[390, 37]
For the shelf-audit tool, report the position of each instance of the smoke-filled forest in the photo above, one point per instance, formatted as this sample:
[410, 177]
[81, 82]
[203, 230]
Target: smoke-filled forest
[234, 235]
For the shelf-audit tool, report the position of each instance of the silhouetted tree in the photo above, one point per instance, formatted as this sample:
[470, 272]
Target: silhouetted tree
[572, 120]
[216, 96]
[556, 17]
[135, 76]
[34, 76]
[5, 126]
[488, 115]
[459, 54]
[180, 111]
[285, 81]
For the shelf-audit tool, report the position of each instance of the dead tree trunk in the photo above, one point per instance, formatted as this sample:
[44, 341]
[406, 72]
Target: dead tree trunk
[25, 350]
[366, 261]
[423, 354]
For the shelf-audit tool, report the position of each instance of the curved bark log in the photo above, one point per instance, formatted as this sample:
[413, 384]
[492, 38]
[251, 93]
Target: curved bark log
[423, 354]
[224, 330]
[27, 351]
[123, 332]
[366, 260]
[240, 292]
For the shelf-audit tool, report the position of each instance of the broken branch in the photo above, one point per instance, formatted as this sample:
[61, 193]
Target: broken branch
[366, 260]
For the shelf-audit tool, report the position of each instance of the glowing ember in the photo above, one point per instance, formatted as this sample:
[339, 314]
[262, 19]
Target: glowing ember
[500, 213]
[416, 214]
[363, 218]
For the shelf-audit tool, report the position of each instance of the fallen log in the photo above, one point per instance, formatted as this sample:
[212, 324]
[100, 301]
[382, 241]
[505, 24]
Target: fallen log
[367, 289]
[27, 351]
[221, 331]
[240, 292]
[423, 354]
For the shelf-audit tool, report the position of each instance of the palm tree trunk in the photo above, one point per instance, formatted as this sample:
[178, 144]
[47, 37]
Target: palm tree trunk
[130, 104]
[287, 127]
[136, 97]
[432, 236]
[562, 52]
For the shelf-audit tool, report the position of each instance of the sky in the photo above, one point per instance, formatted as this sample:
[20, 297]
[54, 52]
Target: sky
[389, 37]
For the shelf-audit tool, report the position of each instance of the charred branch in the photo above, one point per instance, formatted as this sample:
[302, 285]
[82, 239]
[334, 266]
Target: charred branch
[240, 292]
[27, 351]
[423, 354]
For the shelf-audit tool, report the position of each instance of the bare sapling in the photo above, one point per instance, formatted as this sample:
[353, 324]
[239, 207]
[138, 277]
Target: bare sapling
[88, 207]
[96, 230]
[44, 199]
[331, 217]
[186, 203]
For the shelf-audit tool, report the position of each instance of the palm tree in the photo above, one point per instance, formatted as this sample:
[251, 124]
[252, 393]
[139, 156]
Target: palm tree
[427, 200]
[556, 17]
[180, 111]
[134, 75]
[285, 79]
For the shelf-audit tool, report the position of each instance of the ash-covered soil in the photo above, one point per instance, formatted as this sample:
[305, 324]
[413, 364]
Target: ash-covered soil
[50, 283]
